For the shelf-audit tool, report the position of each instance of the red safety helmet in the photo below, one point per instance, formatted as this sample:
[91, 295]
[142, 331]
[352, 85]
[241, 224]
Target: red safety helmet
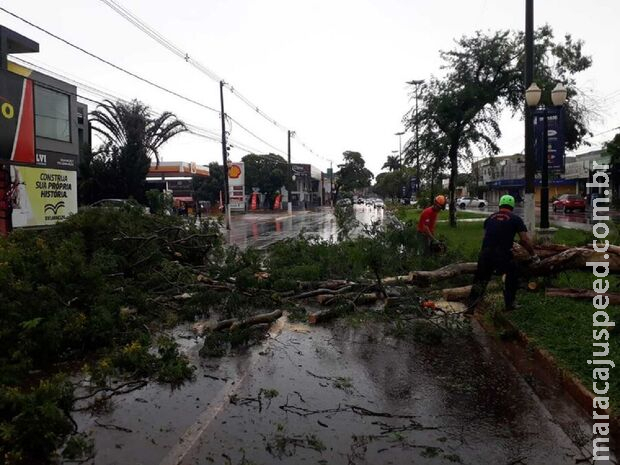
[440, 201]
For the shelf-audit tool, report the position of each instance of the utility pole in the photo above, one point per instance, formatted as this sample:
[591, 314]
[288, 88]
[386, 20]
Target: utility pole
[529, 213]
[289, 181]
[225, 158]
[417, 83]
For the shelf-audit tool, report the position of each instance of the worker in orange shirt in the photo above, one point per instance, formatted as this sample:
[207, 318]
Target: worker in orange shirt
[426, 225]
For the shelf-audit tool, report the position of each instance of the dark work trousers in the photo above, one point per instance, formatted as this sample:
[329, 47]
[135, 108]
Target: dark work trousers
[492, 261]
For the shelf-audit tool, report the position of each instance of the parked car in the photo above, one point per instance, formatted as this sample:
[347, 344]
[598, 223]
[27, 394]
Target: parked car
[368, 202]
[344, 201]
[569, 202]
[119, 203]
[379, 203]
[470, 202]
[360, 201]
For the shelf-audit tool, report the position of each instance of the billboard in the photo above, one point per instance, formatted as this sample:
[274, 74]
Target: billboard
[555, 138]
[16, 118]
[43, 196]
[236, 186]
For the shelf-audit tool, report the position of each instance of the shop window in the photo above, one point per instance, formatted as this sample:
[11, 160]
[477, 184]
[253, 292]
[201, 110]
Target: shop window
[51, 110]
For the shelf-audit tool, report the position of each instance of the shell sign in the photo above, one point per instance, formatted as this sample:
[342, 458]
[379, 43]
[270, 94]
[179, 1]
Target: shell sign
[234, 171]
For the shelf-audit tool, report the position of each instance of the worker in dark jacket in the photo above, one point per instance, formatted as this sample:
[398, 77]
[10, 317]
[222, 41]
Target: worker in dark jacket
[496, 255]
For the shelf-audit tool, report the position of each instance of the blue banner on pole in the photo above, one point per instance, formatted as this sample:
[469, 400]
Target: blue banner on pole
[555, 138]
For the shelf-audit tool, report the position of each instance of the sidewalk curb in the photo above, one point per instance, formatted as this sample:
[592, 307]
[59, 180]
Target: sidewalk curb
[522, 348]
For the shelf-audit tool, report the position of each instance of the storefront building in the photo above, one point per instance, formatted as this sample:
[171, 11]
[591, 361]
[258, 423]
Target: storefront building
[41, 129]
[307, 186]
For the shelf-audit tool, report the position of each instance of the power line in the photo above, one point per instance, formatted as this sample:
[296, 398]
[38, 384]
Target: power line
[212, 135]
[151, 32]
[256, 136]
[155, 35]
[109, 63]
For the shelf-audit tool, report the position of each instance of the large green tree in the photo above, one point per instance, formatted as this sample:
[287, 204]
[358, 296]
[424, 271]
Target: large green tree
[353, 174]
[484, 76]
[132, 137]
[390, 184]
[209, 188]
[267, 172]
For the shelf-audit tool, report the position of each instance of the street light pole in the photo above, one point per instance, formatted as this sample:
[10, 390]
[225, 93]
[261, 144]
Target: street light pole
[290, 173]
[417, 83]
[224, 158]
[530, 161]
[400, 148]
[532, 99]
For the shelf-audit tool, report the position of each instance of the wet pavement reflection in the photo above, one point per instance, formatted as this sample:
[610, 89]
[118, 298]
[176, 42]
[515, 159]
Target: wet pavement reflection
[341, 395]
[260, 230]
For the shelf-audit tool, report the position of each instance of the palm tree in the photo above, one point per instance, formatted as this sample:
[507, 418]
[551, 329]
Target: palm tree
[392, 163]
[131, 124]
[132, 137]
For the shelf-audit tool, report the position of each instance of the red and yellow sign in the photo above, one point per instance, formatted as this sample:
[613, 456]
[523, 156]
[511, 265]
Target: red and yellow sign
[234, 171]
[16, 118]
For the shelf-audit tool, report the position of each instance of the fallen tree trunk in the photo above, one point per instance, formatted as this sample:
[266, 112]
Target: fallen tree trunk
[234, 324]
[328, 314]
[585, 294]
[557, 258]
[455, 294]
[362, 299]
[256, 319]
[425, 278]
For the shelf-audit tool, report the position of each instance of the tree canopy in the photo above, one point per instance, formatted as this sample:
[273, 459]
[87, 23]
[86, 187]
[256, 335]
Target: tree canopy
[131, 135]
[353, 174]
[484, 76]
[209, 188]
[267, 172]
[392, 163]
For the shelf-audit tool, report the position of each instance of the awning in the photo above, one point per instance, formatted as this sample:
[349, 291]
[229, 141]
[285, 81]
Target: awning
[184, 199]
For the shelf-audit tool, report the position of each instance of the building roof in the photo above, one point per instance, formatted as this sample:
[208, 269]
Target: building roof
[176, 168]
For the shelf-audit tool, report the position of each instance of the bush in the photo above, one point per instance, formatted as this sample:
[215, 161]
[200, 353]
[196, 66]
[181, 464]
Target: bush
[85, 287]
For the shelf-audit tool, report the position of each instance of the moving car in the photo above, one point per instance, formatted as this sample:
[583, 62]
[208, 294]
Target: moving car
[569, 202]
[470, 202]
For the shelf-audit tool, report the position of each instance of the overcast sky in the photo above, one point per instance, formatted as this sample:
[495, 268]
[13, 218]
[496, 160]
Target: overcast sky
[333, 71]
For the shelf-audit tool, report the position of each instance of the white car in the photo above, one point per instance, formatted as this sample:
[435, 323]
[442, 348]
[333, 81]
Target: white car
[379, 203]
[470, 202]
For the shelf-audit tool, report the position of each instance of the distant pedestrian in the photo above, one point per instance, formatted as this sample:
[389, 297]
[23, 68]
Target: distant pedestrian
[496, 254]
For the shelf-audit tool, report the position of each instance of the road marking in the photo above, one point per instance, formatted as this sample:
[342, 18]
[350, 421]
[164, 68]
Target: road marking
[188, 439]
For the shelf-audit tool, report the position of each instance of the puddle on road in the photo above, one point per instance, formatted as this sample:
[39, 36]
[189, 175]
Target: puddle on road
[336, 395]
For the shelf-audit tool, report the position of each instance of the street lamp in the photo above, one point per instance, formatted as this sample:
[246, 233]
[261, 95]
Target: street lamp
[532, 98]
[400, 147]
[417, 83]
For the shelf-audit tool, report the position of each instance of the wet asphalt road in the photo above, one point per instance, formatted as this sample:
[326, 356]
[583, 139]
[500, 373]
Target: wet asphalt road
[263, 229]
[342, 395]
[260, 230]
